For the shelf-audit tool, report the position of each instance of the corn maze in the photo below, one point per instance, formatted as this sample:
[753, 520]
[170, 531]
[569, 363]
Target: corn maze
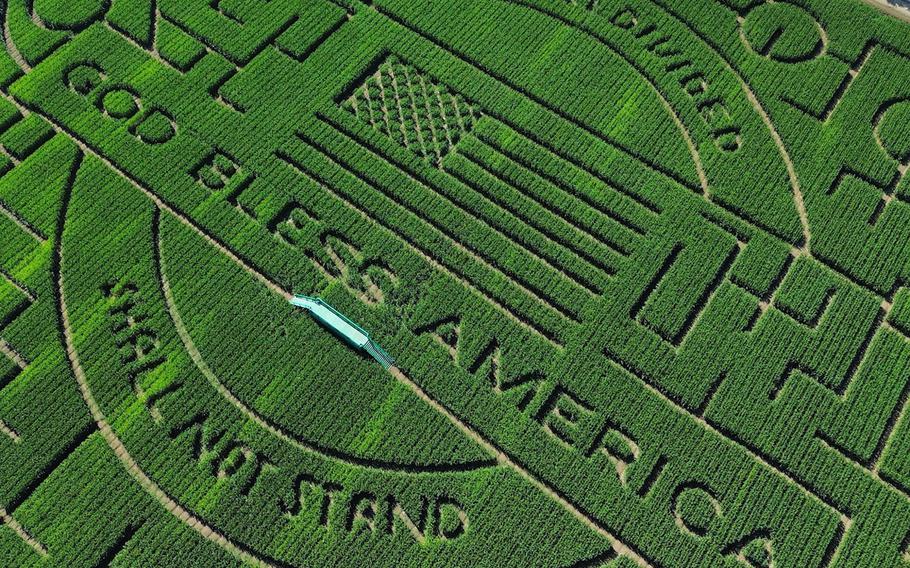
[643, 266]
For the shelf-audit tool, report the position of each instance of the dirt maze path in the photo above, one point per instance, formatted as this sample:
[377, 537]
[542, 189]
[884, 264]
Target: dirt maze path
[607, 312]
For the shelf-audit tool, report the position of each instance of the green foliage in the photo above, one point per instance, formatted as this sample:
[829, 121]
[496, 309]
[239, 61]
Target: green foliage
[758, 554]
[154, 128]
[412, 109]
[900, 313]
[26, 136]
[783, 32]
[894, 131]
[178, 48]
[69, 14]
[644, 267]
[119, 103]
[695, 509]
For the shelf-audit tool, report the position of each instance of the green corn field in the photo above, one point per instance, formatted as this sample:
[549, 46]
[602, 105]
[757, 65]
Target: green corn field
[639, 271]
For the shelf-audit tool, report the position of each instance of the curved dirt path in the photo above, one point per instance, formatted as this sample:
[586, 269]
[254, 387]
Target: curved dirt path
[197, 524]
[798, 200]
[10, 44]
[258, 419]
[503, 459]
[152, 488]
[7, 520]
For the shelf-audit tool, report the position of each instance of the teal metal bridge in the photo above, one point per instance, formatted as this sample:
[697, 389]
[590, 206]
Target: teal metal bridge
[349, 331]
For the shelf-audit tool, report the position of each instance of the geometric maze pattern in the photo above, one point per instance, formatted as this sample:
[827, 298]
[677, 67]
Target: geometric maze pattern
[643, 266]
[412, 110]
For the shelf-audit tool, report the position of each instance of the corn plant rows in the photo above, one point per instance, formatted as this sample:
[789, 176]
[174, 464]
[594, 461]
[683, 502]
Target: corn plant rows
[643, 266]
